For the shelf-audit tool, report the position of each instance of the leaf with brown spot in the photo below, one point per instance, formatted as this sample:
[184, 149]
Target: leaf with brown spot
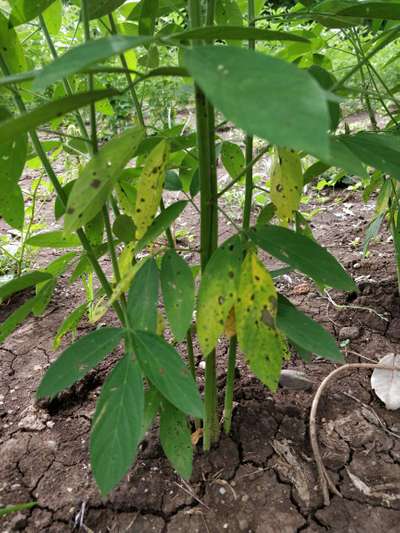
[256, 310]
[218, 292]
[98, 177]
[286, 183]
[149, 188]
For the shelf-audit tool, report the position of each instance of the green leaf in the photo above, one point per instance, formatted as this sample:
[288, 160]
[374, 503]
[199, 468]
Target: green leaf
[372, 231]
[83, 56]
[303, 254]
[162, 365]
[305, 332]
[379, 150]
[343, 157]
[25, 10]
[270, 106]
[176, 439]
[76, 361]
[228, 12]
[23, 282]
[70, 324]
[255, 312]
[94, 229]
[161, 223]
[99, 8]
[117, 424]
[149, 188]
[236, 33]
[53, 17]
[9, 129]
[43, 297]
[386, 10]
[98, 177]
[177, 285]
[218, 292]
[12, 155]
[148, 16]
[15, 319]
[124, 228]
[11, 49]
[12, 207]
[327, 81]
[143, 297]
[53, 239]
[232, 158]
[286, 183]
[152, 401]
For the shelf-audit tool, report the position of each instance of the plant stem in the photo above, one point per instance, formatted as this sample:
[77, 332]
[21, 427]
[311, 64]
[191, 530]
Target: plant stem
[249, 141]
[63, 197]
[230, 379]
[92, 106]
[248, 199]
[25, 237]
[208, 218]
[131, 85]
[67, 86]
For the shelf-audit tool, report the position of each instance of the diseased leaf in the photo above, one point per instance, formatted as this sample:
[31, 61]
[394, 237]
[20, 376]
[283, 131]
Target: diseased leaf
[162, 365]
[149, 188]
[143, 297]
[255, 310]
[304, 332]
[386, 383]
[178, 292]
[117, 424]
[303, 254]
[218, 292]
[9, 129]
[286, 184]
[76, 361]
[176, 439]
[288, 96]
[98, 177]
[161, 223]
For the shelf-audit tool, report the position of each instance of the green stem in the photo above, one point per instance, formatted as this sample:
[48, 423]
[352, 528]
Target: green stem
[131, 85]
[377, 48]
[230, 379]
[249, 141]
[257, 158]
[92, 106]
[25, 237]
[208, 219]
[67, 86]
[248, 200]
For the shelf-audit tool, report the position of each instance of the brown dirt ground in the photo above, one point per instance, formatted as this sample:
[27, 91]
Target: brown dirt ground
[261, 478]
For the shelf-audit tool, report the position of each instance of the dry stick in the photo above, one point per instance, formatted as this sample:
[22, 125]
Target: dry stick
[325, 481]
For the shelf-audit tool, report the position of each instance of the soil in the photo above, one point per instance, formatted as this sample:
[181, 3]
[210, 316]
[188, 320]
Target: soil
[261, 478]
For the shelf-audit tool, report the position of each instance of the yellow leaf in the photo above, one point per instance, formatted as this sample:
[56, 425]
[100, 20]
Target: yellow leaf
[286, 183]
[256, 309]
[149, 188]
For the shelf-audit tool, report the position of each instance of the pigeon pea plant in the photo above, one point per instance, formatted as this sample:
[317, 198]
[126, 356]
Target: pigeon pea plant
[116, 205]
